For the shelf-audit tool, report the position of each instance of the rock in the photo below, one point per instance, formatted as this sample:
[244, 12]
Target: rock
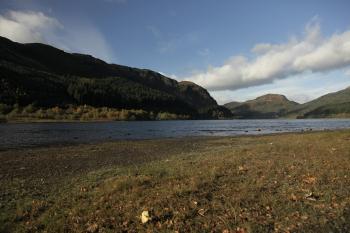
[145, 217]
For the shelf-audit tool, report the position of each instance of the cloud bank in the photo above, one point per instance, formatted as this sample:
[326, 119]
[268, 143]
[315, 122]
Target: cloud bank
[30, 26]
[27, 26]
[299, 88]
[311, 53]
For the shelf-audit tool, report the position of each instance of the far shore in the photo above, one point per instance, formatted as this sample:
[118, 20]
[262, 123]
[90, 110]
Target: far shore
[34, 120]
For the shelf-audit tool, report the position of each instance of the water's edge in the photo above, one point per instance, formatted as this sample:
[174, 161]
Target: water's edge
[13, 135]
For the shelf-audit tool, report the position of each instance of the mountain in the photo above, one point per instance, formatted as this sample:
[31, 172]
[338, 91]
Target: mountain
[331, 105]
[232, 105]
[46, 76]
[266, 106]
[335, 104]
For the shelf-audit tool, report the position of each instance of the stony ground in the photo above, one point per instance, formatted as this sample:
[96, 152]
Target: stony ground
[275, 183]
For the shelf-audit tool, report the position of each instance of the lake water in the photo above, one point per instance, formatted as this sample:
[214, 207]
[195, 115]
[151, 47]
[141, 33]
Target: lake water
[41, 134]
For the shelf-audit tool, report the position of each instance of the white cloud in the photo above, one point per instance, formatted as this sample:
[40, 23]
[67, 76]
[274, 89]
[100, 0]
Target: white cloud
[311, 53]
[347, 72]
[300, 88]
[88, 40]
[30, 26]
[27, 26]
[172, 76]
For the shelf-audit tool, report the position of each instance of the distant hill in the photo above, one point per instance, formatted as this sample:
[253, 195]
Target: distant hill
[266, 106]
[232, 105]
[46, 76]
[332, 105]
[335, 104]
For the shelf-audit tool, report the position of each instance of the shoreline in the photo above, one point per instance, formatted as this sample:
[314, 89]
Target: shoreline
[125, 147]
[33, 121]
[39, 187]
[179, 138]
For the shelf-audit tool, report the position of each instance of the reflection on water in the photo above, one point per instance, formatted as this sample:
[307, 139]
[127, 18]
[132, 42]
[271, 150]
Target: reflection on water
[39, 134]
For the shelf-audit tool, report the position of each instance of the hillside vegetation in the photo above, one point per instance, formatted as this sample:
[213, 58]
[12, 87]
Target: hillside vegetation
[46, 77]
[335, 104]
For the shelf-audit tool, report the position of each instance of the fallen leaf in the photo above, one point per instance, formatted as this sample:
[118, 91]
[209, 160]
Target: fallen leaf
[145, 217]
[312, 196]
[92, 228]
[242, 168]
[309, 180]
[240, 230]
[201, 212]
[293, 197]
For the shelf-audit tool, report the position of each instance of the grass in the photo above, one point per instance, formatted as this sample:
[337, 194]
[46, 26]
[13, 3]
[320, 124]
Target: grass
[276, 183]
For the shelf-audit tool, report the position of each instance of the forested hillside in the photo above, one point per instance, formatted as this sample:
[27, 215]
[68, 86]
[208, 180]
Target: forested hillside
[45, 77]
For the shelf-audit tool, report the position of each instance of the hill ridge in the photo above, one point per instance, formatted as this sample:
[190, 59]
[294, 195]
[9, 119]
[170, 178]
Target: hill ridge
[334, 104]
[48, 76]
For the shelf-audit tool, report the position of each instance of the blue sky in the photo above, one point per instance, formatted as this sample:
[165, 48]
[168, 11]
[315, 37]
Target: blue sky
[203, 41]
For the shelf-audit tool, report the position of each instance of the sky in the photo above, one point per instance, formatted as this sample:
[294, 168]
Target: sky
[237, 49]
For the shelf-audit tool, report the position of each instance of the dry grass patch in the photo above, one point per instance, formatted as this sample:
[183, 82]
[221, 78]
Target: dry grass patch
[278, 183]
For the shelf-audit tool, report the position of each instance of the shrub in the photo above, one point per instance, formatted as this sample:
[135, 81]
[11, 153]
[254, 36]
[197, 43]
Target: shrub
[29, 109]
[123, 115]
[57, 110]
[15, 110]
[2, 118]
[166, 116]
[85, 113]
[5, 109]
